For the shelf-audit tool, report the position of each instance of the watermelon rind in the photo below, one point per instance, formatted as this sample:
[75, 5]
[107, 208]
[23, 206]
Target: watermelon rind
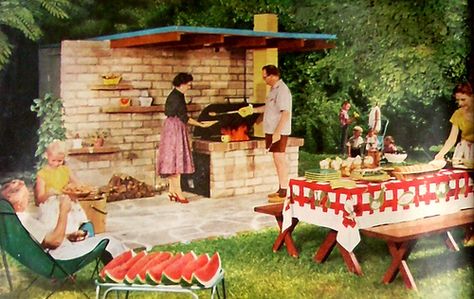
[117, 274]
[172, 273]
[153, 275]
[208, 275]
[116, 261]
[140, 278]
[190, 268]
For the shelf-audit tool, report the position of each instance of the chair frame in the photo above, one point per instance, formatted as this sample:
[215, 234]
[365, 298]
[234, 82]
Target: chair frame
[59, 268]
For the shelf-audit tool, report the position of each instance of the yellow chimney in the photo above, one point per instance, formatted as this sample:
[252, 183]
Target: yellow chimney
[263, 22]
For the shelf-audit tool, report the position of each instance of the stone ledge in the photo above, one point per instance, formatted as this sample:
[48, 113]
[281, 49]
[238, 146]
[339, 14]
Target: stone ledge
[207, 147]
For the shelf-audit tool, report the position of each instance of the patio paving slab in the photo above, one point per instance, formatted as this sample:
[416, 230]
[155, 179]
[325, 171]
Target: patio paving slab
[147, 222]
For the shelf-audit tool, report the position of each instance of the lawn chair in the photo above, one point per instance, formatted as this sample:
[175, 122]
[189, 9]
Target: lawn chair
[15, 240]
[381, 134]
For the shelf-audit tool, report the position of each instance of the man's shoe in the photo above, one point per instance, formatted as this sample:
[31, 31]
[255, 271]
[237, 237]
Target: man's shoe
[276, 199]
[274, 194]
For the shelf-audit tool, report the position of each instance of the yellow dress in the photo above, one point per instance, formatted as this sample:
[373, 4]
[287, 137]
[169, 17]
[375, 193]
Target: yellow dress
[466, 127]
[55, 178]
[464, 150]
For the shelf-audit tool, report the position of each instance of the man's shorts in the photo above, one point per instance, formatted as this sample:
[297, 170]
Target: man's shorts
[277, 147]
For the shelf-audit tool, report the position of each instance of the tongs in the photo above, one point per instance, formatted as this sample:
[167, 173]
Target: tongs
[223, 113]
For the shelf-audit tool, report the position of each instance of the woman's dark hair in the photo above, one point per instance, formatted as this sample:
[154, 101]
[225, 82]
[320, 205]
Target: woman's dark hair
[344, 103]
[182, 78]
[270, 69]
[464, 88]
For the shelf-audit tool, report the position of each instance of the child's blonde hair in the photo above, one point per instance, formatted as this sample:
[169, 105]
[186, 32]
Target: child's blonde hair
[57, 147]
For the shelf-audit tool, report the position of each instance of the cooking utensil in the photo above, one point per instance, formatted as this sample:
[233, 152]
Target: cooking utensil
[222, 113]
[209, 123]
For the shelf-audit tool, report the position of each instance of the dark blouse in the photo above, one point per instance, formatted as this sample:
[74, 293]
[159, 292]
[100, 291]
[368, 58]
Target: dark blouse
[176, 106]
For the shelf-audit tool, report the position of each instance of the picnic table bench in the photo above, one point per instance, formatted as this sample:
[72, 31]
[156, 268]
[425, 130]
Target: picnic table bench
[284, 237]
[402, 237]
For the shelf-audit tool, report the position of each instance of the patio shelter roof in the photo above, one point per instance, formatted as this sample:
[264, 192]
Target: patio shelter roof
[189, 37]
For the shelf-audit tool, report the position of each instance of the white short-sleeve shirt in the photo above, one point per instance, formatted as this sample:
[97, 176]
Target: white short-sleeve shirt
[278, 99]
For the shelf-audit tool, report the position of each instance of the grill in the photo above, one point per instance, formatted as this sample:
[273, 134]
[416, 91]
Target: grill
[227, 122]
[200, 181]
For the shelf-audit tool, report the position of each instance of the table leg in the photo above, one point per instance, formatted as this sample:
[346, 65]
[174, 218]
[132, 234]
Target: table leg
[350, 260]
[450, 243]
[400, 253]
[285, 237]
[326, 247]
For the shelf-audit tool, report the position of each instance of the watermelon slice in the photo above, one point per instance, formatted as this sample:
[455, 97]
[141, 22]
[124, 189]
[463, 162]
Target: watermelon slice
[161, 257]
[188, 270]
[208, 275]
[153, 275]
[172, 273]
[117, 274]
[135, 269]
[118, 260]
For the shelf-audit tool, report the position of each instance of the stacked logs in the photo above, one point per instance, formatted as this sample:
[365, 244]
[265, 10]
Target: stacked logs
[122, 186]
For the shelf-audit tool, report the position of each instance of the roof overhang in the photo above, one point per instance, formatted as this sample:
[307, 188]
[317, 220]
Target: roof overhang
[187, 37]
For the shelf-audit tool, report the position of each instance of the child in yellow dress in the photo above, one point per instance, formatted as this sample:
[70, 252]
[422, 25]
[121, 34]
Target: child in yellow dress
[50, 181]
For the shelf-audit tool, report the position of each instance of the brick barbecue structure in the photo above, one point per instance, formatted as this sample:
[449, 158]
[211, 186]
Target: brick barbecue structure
[147, 71]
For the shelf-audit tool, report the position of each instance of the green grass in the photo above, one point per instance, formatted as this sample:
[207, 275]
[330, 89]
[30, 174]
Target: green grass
[254, 271]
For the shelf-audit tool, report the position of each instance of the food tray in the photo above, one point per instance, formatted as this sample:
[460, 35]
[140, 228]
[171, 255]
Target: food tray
[374, 178]
[77, 194]
[405, 176]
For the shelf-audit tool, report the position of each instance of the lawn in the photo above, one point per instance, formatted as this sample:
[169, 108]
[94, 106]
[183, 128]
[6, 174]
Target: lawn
[254, 271]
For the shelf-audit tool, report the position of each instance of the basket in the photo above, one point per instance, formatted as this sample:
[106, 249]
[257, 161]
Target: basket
[96, 212]
[111, 81]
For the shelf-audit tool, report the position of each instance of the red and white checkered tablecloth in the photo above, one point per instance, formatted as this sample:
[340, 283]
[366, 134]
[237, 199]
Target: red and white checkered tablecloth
[347, 210]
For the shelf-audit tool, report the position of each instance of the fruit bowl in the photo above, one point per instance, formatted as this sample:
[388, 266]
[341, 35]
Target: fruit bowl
[395, 158]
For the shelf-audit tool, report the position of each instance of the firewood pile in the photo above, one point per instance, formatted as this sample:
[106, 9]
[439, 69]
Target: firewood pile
[122, 186]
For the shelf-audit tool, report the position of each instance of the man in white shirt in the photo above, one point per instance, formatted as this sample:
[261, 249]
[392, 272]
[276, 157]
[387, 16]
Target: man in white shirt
[60, 245]
[277, 126]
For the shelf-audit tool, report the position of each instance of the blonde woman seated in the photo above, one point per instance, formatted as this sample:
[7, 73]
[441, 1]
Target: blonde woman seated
[50, 181]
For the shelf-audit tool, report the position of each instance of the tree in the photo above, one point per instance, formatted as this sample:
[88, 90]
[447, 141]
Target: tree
[23, 15]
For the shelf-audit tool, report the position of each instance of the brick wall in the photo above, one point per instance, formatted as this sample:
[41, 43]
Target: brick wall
[217, 74]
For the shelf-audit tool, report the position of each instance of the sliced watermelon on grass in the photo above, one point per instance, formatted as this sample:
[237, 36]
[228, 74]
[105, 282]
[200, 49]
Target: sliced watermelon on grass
[190, 268]
[140, 278]
[135, 269]
[208, 275]
[172, 273]
[117, 261]
[153, 275]
[117, 274]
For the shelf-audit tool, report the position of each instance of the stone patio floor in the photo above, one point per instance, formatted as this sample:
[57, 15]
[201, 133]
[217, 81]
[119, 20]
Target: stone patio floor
[147, 222]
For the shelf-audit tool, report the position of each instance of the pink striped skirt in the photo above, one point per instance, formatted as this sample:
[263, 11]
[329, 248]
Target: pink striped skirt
[174, 152]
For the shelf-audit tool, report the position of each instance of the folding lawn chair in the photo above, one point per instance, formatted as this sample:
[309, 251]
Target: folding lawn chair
[15, 240]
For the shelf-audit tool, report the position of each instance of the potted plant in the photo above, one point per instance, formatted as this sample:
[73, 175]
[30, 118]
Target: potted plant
[97, 138]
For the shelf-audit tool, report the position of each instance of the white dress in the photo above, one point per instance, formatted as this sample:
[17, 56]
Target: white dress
[49, 213]
[375, 118]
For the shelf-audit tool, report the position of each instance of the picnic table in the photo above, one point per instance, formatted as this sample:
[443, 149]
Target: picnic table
[369, 207]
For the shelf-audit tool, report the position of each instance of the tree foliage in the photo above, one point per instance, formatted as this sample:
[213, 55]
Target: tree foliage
[23, 15]
[406, 55]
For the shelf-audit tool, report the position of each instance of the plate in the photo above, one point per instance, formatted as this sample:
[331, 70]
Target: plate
[77, 191]
[209, 123]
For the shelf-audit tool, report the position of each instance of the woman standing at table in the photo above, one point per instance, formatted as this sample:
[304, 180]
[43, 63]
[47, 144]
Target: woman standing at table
[174, 153]
[462, 121]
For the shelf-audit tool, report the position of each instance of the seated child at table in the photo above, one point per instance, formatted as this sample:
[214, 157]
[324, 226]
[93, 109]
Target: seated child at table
[371, 140]
[389, 145]
[50, 181]
[355, 142]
